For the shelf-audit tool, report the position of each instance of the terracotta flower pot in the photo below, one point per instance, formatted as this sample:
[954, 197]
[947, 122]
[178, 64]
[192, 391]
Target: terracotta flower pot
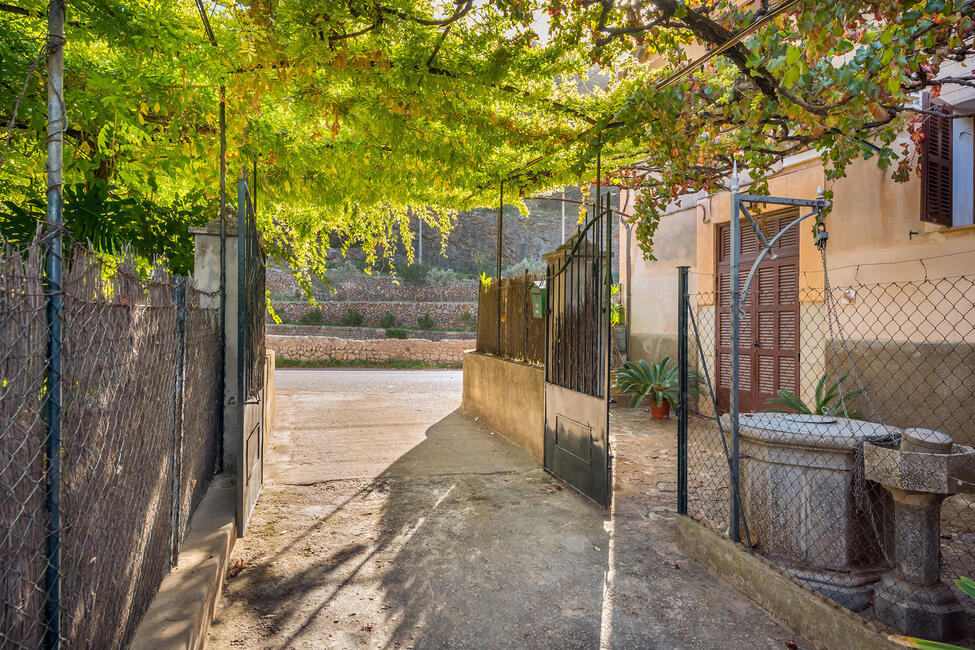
[661, 411]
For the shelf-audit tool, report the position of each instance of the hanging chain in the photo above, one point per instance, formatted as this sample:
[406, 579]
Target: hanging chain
[832, 316]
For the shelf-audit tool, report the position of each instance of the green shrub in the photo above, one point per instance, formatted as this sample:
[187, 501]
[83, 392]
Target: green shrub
[396, 332]
[388, 320]
[442, 277]
[468, 321]
[425, 322]
[352, 318]
[415, 274]
[311, 317]
[343, 270]
[533, 265]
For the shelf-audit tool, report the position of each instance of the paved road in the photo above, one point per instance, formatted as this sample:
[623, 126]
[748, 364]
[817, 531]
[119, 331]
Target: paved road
[392, 519]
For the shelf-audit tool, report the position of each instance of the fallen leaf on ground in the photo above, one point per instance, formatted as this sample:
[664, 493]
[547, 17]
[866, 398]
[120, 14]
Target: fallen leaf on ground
[791, 645]
[235, 570]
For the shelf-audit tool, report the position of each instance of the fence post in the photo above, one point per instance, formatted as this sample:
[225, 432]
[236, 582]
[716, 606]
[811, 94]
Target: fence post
[734, 525]
[498, 260]
[682, 360]
[55, 301]
[176, 441]
[526, 304]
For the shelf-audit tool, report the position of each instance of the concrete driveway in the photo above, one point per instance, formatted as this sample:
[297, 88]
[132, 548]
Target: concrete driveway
[392, 519]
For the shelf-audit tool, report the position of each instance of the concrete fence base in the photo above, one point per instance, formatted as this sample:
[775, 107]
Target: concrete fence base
[804, 612]
[509, 397]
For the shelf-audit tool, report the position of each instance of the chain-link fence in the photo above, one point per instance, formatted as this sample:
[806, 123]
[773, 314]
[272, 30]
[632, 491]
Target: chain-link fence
[505, 324]
[840, 465]
[139, 428]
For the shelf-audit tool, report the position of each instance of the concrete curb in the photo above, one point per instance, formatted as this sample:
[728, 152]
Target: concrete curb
[804, 612]
[180, 614]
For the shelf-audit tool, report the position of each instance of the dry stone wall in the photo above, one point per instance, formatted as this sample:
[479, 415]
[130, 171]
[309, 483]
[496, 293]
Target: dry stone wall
[445, 315]
[361, 333]
[327, 348]
[282, 285]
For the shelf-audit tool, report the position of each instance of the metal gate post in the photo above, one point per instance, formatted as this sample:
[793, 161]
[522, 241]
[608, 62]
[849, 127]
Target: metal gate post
[56, 120]
[682, 360]
[735, 514]
[176, 442]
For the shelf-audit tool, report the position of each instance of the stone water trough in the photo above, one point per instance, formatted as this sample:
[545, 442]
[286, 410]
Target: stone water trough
[806, 506]
[837, 501]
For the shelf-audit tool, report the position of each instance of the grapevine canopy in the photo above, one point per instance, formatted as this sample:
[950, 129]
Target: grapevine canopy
[359, 113]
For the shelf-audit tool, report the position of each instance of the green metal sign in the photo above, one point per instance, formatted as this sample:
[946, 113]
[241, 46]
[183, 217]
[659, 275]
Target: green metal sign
[537, 293]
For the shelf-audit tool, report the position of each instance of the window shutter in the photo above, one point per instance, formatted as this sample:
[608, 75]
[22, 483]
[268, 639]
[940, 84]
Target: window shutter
[936, 166]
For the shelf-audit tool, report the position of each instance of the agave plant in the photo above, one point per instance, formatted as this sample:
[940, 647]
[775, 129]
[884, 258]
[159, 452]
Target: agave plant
[829, 399]
[656, 383]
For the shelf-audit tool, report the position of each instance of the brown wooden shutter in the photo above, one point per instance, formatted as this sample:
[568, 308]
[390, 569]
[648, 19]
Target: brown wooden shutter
[936, 166]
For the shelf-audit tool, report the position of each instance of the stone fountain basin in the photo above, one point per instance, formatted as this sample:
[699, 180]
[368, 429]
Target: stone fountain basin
[921, 471]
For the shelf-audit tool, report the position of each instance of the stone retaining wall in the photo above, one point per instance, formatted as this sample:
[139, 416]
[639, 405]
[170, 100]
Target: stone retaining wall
[360, 333]
[326, 348]
[281, 284]
[445, 315]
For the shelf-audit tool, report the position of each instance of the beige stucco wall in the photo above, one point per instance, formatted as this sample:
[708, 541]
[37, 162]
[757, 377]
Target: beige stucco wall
[876, 237]
[509, 397]
[871, 222]
[653, 322]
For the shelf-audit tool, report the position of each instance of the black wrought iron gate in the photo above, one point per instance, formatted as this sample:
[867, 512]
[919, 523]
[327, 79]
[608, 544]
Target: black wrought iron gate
[577, 358]
[250, 356]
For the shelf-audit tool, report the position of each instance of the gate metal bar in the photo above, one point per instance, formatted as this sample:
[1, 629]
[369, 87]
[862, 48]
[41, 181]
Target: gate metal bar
[682, 387]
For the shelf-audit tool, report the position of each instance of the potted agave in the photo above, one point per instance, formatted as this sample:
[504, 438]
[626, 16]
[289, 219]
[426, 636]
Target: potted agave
[656, 383]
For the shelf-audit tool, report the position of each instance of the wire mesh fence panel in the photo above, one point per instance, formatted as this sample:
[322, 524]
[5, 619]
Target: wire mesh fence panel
[139, 444]
[841, 467]
[120, 346]
[487, 319]
[505, 325]
[199, 443]
[23, 517]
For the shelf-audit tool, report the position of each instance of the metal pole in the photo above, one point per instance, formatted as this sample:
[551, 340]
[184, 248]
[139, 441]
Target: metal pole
[223, 274]
[242, 323]
[733, 529]
[56, 119]
[176, 443]
[563, 216]
[498, 256]
[682, 361]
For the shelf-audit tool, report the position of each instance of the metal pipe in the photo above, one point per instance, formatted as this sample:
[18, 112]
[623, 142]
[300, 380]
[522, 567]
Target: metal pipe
[563, 216]
[682, 361]
[608, 288]
[56, 120]
[498, 256]
[176, 443]
[223, 276]
[733, 528]
[242, 342]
